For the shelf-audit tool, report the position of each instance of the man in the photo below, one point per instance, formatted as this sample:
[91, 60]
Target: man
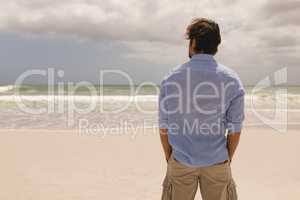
[201, 110]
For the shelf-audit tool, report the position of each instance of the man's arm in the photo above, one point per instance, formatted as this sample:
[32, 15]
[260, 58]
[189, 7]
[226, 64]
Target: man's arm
[163, 122]
[232, 143]
[235, 117]
[165, 143]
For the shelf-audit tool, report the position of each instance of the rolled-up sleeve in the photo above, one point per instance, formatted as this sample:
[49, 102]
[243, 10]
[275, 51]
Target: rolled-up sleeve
[163, 109]
[235, 113]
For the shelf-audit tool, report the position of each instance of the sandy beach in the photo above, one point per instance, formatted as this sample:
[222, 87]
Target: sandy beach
[85, 86]
[62, 165]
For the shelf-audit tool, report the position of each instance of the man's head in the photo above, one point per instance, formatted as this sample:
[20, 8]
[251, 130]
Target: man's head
[204, 36]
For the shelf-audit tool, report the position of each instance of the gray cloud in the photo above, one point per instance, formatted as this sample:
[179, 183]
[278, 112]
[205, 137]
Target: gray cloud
[130, 20]
[255, 33]
[275, 7]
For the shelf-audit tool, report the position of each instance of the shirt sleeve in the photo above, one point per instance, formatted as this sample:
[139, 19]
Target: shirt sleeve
[235, 113]
[163, 109]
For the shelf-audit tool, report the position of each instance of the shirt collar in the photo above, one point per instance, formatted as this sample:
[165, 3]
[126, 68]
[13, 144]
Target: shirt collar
[201, 56]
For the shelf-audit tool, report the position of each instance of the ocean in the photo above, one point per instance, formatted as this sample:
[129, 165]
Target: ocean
[110, 107]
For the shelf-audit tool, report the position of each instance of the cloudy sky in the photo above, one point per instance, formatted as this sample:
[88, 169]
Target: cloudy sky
[144, 38]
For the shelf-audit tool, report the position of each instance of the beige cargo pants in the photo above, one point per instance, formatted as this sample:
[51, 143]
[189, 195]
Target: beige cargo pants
[215, 182]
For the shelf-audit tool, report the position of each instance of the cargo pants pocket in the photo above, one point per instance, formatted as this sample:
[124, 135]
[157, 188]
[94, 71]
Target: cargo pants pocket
[231, 191]
[167, 189]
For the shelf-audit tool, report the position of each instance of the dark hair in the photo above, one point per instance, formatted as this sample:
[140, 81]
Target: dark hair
[206, 32]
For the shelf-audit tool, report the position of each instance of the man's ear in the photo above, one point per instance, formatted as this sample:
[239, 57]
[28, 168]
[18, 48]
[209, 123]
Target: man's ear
[193, 44]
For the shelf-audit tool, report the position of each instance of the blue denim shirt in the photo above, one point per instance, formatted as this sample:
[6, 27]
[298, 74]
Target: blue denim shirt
[199, 103]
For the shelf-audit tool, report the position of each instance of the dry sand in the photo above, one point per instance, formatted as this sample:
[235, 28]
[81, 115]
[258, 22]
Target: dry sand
[63, 165]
